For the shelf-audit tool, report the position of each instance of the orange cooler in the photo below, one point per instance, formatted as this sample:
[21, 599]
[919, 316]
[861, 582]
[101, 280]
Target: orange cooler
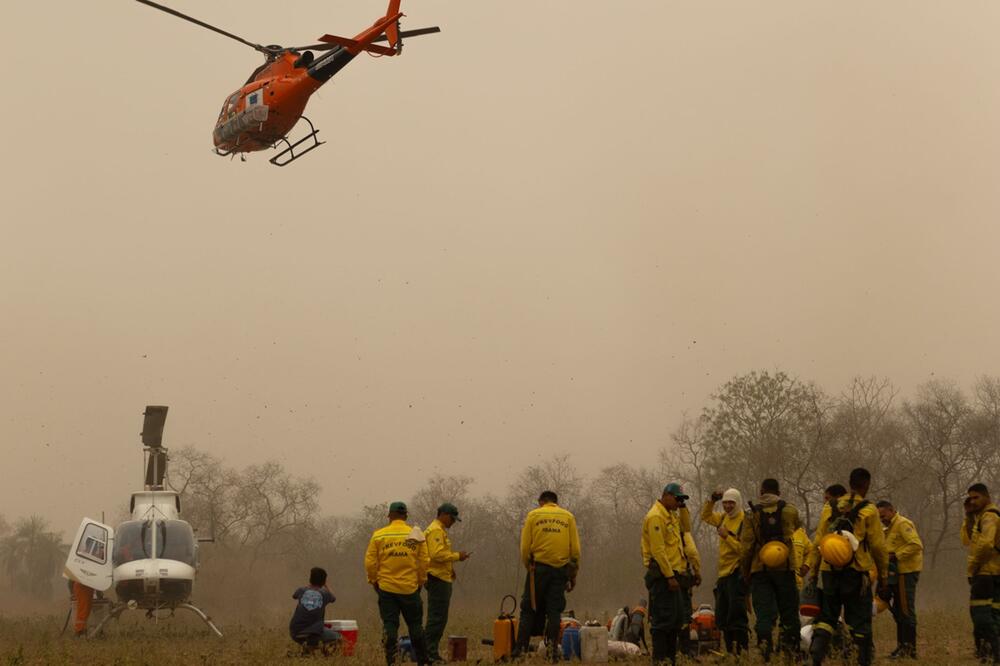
[348, 633]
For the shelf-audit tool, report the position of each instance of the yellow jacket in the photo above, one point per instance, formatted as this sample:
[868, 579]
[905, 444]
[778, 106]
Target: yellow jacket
[691, 554]
[729, 547]
[979, 534]
[803, 547]
[902, 540]
[394, 561]
[751, 540]
[872, 552]
[549, 537]
[661, 541]
[439, 551]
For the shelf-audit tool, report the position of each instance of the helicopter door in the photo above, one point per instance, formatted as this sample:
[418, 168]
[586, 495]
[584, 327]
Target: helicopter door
[89, 560]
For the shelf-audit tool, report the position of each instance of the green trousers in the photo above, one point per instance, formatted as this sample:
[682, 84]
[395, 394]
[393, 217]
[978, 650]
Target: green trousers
[666, 614]
[731, 610]
[411, 607]
[850, 590]
[550, 599]
[903, 599]
[775, 595]
[438, 601]
[984, 607]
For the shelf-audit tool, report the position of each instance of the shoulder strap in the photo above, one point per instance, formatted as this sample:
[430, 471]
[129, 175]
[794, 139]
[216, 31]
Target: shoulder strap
[856, 510]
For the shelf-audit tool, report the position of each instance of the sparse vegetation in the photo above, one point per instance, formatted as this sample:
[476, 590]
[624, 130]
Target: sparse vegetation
[945, 639]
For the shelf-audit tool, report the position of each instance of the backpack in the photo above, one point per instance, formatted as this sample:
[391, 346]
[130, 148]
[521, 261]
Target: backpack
[769, 527]
[843, 520]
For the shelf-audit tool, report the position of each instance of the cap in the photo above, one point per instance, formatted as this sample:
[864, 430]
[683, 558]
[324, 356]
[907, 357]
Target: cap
[398, 507]
[450, 509]
[675, 490]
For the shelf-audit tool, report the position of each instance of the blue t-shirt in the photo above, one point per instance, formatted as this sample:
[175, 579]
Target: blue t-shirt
[309, 612]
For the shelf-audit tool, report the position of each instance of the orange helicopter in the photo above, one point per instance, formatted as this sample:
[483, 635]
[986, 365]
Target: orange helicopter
[260, 115]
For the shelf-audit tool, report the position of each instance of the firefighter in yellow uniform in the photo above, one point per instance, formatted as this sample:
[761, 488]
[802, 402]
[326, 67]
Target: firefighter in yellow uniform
[396, 564]
[730, 589]
[906, 559]
[550, 551]
[768, 564]
[803, 547]
[844, 563]
[440, 576]
[663, 557]
[979, 533]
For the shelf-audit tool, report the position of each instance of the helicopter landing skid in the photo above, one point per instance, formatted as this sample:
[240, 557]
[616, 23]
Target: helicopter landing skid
[118, 609]
[290, 150]
[204, 617]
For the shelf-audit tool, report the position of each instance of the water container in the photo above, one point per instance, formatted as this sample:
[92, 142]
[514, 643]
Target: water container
[348, 634]
[594, 644]
[458, 648]
[571, 642]
[504, 631]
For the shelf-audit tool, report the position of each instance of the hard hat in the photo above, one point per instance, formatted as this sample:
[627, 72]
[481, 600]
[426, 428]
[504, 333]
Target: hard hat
[774, 554]
[836, 549]
[880, 605]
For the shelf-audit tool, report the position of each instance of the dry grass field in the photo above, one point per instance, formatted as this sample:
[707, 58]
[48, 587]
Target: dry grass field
[945, 639]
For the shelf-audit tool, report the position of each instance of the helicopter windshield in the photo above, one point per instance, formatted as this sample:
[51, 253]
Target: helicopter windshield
[174, 541]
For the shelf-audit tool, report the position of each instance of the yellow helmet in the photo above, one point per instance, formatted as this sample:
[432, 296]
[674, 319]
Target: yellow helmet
[836, 550]
[774, 554]
[880, 605]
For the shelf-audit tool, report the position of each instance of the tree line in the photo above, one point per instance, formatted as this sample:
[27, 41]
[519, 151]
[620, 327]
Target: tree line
[923, 452]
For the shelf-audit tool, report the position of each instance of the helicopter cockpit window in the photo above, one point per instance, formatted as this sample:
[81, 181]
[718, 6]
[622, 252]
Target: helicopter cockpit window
[229, 107]
[94, 544]
[128, 542]
[176, 541]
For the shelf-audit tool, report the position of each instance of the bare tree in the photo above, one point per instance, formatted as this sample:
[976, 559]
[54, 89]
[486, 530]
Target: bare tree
[762, 425]
[277, 507]
[439, 489]
[939, 419]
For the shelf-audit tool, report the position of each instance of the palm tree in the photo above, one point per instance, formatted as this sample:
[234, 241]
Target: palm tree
[32, 556]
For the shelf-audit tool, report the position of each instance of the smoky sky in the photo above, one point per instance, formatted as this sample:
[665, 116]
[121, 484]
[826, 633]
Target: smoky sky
[553, 228]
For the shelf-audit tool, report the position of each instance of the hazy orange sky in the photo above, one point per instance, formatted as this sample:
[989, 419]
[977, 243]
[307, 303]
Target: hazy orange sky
[552, 228]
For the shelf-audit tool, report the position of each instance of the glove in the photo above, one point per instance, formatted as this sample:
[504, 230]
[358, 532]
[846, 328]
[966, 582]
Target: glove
[884, 593]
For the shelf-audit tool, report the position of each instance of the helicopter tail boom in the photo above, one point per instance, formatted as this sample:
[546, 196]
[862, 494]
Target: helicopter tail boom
[392, 30]
[363, 41]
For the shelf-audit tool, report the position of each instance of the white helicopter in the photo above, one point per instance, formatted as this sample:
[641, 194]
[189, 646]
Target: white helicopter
[150, 560]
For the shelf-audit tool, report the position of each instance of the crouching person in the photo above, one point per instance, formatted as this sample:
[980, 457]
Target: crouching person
[306, 626]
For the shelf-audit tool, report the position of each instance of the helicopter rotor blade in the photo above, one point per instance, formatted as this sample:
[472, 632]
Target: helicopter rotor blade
[174, 12]
[405, 33]
[411, 33]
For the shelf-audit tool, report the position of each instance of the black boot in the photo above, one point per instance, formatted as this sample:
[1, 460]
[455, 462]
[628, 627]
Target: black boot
[820, 644]
[766, 647]
[865, 648]
[659, 641]
[981, 648]
[900, 641]
[742, 641]
[671, 646]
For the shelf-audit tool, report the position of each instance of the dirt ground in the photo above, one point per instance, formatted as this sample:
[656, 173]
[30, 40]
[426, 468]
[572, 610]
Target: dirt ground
[945, 638]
